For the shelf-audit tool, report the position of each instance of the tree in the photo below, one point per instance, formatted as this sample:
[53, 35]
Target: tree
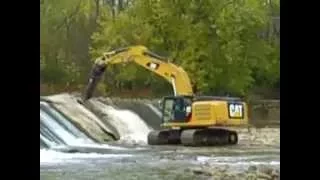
[217, 41]
[225, 46]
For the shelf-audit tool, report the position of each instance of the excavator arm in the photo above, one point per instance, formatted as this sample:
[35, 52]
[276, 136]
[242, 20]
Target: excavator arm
[141, 56]
[194, 116]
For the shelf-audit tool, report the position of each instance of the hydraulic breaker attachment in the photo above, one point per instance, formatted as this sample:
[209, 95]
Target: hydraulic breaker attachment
[95, 76]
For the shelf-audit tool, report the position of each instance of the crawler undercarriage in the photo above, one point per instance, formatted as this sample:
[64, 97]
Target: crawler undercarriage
[194, 137]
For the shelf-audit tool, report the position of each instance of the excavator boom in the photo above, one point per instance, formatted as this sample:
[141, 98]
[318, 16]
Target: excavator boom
[187, 119]
[141, 56]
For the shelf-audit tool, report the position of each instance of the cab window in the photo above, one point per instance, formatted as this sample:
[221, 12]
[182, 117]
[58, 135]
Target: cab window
[175, 109]
[168, 110]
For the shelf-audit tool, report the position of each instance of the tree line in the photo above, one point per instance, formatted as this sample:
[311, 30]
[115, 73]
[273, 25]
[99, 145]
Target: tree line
[227, 47]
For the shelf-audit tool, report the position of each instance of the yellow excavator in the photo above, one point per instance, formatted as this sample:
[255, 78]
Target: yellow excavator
[187, 119]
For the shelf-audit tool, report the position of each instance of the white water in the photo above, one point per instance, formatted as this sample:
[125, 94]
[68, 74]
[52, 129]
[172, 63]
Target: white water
[234, 159]
[236, 162]
[65, 122]
[67, 137]
[241, 163]
[71, 108]
[131, 127]
[50, 156]
[47, 141]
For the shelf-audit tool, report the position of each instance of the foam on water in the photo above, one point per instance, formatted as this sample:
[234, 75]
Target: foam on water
[231, 158]
[50, 156]
[101, 146]
[236, 161]
[131, 127]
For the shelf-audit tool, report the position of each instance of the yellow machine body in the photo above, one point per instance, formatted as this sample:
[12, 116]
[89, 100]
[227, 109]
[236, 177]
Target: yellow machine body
[214, 113]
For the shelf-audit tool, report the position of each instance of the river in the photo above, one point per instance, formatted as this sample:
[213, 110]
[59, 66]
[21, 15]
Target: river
[76, 142]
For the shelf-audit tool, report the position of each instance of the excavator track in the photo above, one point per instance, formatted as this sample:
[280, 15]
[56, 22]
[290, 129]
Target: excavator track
[163, 137]
[194, 137]
[209, 137]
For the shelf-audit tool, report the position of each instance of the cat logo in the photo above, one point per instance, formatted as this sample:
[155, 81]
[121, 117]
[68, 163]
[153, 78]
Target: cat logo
[235, 110]
[153, 66]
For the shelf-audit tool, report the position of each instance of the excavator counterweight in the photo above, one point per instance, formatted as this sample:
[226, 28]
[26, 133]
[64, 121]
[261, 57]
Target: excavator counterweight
[186, 119]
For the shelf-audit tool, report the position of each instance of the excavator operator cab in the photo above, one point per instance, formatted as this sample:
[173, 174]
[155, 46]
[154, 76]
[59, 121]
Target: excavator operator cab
[176, 109]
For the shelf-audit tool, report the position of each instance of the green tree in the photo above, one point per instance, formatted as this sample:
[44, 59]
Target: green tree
[225, 46]
[217, 42]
